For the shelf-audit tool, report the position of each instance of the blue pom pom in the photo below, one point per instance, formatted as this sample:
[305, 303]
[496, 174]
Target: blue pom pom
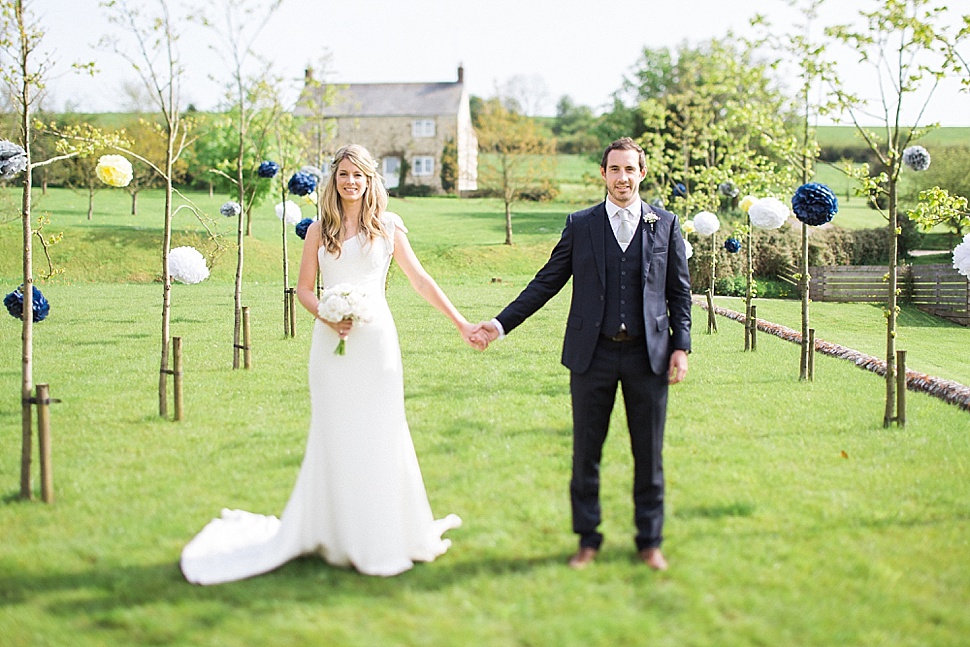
[302, 183]
[230, 209]
[814, 204]
[302, 226]
[268, 169]
[15, 304]
[680, 190]
[733, 245]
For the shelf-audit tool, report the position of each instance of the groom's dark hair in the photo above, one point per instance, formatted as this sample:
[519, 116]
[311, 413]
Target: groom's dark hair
[625, 144]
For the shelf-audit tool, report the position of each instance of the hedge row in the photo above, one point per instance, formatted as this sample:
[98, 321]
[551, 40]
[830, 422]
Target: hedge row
[778, 251]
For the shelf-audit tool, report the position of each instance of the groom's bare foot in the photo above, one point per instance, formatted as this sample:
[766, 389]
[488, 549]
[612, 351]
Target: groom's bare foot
[653, 558]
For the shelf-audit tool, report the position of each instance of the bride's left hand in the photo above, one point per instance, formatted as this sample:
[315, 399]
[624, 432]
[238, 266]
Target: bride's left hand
[469, 332]
[341, 327]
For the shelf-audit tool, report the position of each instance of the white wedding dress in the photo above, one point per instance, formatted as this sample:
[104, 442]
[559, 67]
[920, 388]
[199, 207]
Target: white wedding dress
[359, 500]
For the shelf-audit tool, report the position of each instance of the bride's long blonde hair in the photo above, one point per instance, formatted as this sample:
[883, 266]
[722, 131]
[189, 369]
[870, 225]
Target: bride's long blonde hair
[373, 201]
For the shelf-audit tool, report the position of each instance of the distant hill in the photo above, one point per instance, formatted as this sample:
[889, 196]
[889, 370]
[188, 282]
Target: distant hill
[848, 136]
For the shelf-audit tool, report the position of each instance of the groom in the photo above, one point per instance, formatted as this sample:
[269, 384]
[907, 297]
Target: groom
[628, 325]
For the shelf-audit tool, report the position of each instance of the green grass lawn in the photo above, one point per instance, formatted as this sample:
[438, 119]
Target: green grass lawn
[794, 518]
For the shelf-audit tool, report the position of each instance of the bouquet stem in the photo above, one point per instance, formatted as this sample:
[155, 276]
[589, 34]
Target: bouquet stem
[341, 348]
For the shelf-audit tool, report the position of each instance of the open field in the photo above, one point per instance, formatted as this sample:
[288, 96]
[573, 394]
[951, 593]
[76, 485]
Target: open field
[794, 518]
[846, 135]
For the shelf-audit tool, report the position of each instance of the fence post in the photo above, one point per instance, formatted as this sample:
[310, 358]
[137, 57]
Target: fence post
[44, 442]
[247, 342]
[900, 388]
[177, 375]
[753, 323]
[811, 354]
[291, 311]
[711, 320]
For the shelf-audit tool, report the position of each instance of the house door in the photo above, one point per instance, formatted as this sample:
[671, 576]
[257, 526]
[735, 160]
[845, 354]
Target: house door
[391, 171]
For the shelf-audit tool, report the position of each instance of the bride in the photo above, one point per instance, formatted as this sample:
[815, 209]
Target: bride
[359, 499]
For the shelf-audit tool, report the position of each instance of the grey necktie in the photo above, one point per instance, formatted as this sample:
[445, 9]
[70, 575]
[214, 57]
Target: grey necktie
[624, 233]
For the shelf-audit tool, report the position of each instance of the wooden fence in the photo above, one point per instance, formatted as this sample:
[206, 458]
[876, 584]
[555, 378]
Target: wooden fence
[937, 289]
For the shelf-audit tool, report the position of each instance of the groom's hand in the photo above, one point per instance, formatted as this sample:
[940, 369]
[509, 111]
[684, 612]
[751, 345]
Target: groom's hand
[484, 333]
[678, 367]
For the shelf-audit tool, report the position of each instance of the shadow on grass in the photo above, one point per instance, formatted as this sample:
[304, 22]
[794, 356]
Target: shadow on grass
[102, 592]
[721, 511]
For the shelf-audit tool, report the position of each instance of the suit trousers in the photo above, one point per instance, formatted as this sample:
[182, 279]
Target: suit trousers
[645, 398]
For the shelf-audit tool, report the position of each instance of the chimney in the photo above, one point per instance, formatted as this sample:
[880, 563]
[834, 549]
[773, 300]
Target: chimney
[461, 73]
[308, 76]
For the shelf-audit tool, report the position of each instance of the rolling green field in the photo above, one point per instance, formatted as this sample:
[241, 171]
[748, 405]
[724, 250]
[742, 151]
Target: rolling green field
[794, 518]
[845, 135]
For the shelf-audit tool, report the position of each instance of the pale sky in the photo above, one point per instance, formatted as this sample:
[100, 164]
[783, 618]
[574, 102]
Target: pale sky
[580, 48]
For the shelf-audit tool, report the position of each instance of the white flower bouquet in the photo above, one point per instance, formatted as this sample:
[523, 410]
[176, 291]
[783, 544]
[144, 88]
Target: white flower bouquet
[340, 302]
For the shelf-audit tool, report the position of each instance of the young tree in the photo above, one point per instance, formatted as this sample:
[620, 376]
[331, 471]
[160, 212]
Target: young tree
[804, 149]
[516, 157]
[24, 77]
[238, 25]
[154, 37]
[909, 48]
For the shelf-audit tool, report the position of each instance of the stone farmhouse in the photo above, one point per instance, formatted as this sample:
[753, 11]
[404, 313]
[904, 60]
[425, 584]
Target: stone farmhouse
[406, 127]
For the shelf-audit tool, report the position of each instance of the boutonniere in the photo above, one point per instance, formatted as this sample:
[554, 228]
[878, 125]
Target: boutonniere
[650, 218]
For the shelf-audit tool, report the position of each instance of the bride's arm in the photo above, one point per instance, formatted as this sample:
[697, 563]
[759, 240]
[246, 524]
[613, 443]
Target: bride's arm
[306, 283]
[424, 285]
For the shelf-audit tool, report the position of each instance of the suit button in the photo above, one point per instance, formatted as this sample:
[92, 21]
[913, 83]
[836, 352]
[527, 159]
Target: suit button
[602, 298]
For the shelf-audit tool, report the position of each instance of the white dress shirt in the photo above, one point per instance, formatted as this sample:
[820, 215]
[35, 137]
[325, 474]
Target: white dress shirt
[613, 212]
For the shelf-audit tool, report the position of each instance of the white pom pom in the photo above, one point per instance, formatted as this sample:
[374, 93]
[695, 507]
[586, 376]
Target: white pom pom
[290, 211]
[769, 213]
[187, 265]
[961, 257]
[706, 223]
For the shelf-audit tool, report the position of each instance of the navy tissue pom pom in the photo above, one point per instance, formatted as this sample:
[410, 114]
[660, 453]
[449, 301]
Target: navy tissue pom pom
[268, 169]
[302, 183]
[15, 304]
[814, 204]
[733, 245]
[302, 226]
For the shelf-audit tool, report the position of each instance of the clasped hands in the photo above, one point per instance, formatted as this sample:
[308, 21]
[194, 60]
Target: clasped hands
[479, 335]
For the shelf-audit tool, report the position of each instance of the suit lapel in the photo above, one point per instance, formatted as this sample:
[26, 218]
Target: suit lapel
[597, 232]
[647, 240]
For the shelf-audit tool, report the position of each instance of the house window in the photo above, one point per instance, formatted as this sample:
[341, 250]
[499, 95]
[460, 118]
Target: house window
[422, 166]
[422, 128]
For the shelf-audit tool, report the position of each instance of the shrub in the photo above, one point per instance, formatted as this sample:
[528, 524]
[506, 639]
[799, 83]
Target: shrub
[777, 251]
[412, 191]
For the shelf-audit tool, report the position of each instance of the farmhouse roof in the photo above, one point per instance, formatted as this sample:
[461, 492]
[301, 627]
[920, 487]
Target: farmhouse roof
[396, 99]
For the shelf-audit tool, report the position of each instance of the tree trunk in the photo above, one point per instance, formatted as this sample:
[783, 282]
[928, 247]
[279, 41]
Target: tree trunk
[804, 284]
[166, 277]
[508, 222]
[240, 186]
[286, 264]
[749, 290]
[891, 305]
[27, 329]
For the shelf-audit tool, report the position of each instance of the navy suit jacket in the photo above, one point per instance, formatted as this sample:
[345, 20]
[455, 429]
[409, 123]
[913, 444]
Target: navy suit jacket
[581, 254]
